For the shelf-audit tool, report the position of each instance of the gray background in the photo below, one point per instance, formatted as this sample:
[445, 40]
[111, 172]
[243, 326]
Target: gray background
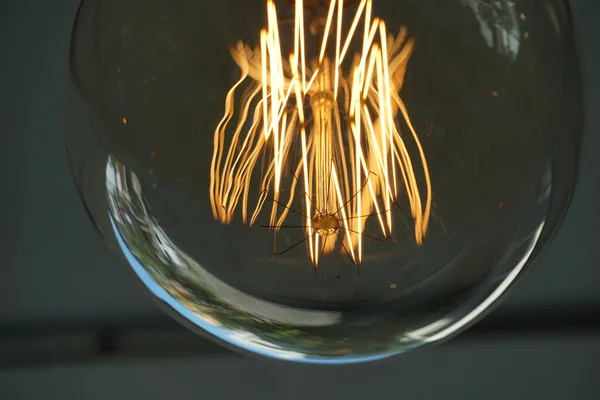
[76, 325]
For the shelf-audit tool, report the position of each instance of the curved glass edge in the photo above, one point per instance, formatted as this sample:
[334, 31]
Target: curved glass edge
[243, 340]
[126, 203]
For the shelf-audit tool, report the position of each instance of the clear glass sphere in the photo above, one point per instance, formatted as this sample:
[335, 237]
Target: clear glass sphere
[325, 181]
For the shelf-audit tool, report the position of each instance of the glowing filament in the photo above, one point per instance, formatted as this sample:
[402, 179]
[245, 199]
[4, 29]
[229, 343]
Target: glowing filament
[336, 132]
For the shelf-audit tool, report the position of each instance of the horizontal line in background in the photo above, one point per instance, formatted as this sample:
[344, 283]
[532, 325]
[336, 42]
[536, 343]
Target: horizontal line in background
[42, 346]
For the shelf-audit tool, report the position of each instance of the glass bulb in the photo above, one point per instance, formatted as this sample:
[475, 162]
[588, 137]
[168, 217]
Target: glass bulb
[325, 181]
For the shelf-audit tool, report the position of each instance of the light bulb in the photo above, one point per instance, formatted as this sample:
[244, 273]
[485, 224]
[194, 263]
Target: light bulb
[246, 158]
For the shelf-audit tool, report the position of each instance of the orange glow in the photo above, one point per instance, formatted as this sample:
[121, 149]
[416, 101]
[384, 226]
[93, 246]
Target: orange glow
[330, 118]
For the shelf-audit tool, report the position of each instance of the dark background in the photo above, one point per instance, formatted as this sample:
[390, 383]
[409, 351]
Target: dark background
[74, 324]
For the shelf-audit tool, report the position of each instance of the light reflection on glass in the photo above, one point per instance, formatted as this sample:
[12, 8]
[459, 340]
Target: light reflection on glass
[499, 24]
